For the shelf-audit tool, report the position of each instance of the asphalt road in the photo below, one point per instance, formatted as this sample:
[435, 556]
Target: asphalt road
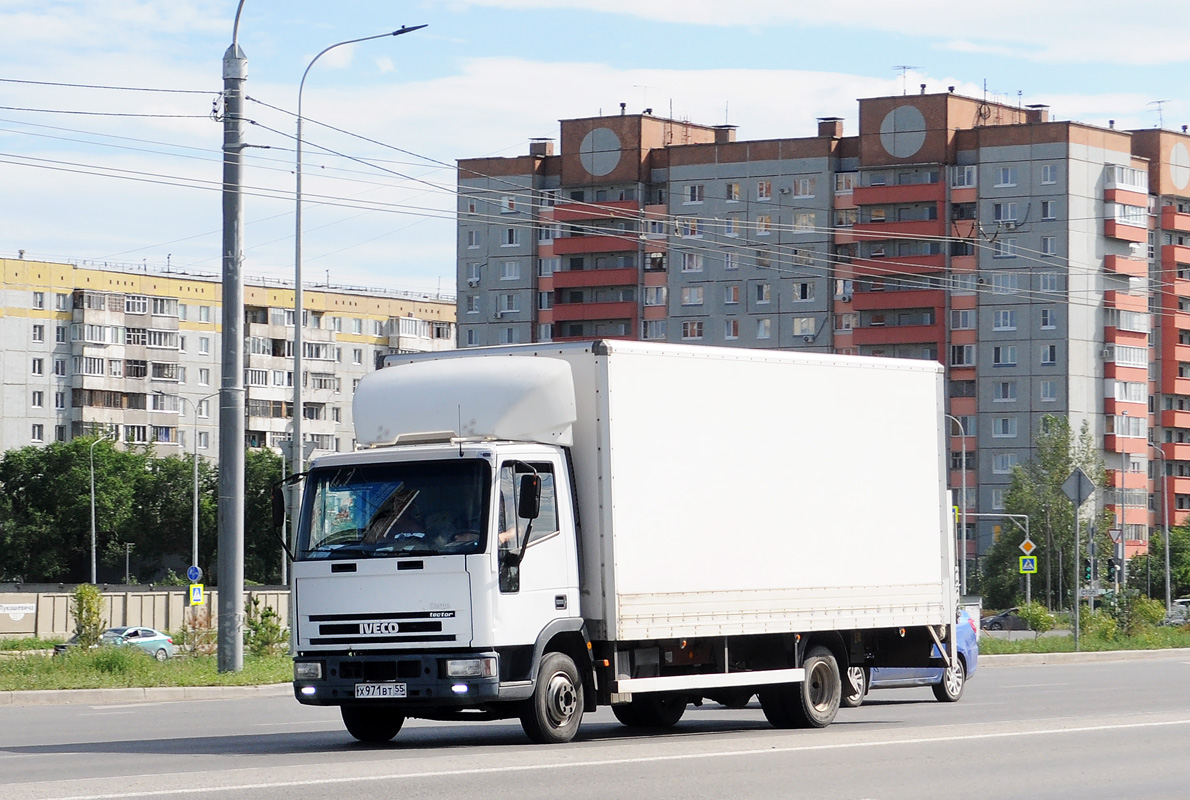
[1117, 729]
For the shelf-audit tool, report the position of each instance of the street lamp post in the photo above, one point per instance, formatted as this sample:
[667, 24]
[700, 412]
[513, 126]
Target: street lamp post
[963, 501]
[94, 539]
[1165, 535]
[1122, 572]
[296, 453]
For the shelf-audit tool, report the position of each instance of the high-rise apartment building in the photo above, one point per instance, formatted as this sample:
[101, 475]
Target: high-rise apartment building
[1045, 263]
[136, 355]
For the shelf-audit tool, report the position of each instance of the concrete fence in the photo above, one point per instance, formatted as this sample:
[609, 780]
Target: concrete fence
[47, 615]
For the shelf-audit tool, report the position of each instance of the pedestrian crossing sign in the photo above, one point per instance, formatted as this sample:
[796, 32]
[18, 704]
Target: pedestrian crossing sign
[1028, 565]
[196, 594]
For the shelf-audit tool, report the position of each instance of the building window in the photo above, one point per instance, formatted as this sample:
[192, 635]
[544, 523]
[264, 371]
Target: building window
[1049, 209]
[688, 227]
[357, 356]
[1005, 391]
[962, 355]
[844, 322]
[1004, 427]
[764, 328]
[545, 300]
[731, 328]
[37, 400]
[39, 333]
[509, 303]
[692, 296]
[507, 204]
[1004, 355]
[1004, 320]
[357, 326]
[1048, 319]
[804, 221]
[204, 345]
[38, 366]
[60, 334]
[1049, 391]
[652, 329]
[731, 294]
[695, 193]
[1049, 245]
[38, 432]
[59, 400]
[59, 367]
[1004, 212]
[1049, 173]
[732, 192]
[510, 238]
[656, 295]
[963, 177]
[731, 261]
[764, 224]
[804, 187]
[692, 329]
[1047, 282]
[691, 262]
[1004, 248]
[1006, 176]
[39, 299]
[1002, 463]
[764, 293]
[61, 302]
[804, 326]
[1005, 283]
[962, 319]
[764, 190]
[998, 499]
[1049, 354]
[844, 182]
[510, 271]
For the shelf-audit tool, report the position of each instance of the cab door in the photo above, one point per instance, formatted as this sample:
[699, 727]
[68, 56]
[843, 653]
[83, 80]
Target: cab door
[536, 559]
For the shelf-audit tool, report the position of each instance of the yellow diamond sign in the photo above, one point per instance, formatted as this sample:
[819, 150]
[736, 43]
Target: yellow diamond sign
[1027, 547]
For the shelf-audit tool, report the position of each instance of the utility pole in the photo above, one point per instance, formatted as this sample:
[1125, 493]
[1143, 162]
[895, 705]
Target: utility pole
[231, 396]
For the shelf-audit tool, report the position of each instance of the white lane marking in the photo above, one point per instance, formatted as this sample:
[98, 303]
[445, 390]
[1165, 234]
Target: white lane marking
[243, 787]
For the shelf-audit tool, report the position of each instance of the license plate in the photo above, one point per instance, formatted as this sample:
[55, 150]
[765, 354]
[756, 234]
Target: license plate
[367, 690]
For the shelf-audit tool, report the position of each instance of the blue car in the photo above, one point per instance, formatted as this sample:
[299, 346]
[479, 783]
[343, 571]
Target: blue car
[947, 684]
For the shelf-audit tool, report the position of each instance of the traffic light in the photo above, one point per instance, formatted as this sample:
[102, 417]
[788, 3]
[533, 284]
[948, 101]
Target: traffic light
[1111, 569]
[1088, 570]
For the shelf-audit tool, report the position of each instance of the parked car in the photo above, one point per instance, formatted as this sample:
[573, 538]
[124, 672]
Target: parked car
[947, 683]
[1008, 620]
[155, 643]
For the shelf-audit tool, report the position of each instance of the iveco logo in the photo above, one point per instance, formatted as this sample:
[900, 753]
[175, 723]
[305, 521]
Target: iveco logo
[367, 628]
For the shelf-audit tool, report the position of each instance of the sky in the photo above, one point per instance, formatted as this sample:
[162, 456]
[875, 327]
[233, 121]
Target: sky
[95, 169]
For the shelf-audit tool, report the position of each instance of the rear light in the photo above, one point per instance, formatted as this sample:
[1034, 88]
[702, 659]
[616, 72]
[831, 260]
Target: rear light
[169, 639]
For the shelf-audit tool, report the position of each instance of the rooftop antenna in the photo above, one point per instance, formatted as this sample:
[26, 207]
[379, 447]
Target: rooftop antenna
[904, 68]
[1160, 108]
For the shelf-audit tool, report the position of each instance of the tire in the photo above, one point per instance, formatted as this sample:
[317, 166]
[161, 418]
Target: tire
[371, 724]
[814, 702]
[954, 680]
[995, 625]
[552, 715]
[652, 711]
[858, 676]
[161, 655]
[733, 698]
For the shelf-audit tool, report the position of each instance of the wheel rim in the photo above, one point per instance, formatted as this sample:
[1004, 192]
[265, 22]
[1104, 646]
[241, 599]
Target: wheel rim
[856, 676]
[561, 698]
[818, 685]
[953, 680]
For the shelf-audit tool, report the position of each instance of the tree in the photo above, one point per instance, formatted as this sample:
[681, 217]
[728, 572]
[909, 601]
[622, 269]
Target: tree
[1036, 491]
[1179, 561]
[262, 550]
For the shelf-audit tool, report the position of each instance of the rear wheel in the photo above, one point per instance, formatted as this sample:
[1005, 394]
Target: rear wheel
[372, 724]
[652, 711]
[854, 697]
[161, 655]
[552, 715]
[814, 702]
[950, 688]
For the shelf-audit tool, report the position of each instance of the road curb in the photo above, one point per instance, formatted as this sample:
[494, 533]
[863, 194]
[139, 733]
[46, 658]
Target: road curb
[155, 694]
[1034, 659]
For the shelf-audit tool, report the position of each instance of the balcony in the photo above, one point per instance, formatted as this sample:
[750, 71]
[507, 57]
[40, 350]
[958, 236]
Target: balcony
[878, 301]
[1176, 451]
[569, 245]
[570, 312]
[577, 279]
[1128, 233]
[1175, 419]
[620, 209]
[901, 229]
[1174, 254]
[901, 193]
[897, 334]
[912, 265]
[1174, 220]
[1126, 266]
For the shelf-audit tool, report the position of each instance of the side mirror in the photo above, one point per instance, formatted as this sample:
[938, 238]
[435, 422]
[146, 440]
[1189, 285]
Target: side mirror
[529, 504]
[278, 499]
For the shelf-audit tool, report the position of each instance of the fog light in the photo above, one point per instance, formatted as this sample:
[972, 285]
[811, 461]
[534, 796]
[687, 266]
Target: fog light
[307, 690]
[307, 670]
[459, 688]
[484, 667]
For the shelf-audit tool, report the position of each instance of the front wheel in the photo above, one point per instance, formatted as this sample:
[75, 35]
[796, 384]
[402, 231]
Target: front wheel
[854, 697]
[552, 715]
[651, 711]
[374, 725]
[950, 688]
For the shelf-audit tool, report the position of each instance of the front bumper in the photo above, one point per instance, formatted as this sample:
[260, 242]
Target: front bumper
[423, 676]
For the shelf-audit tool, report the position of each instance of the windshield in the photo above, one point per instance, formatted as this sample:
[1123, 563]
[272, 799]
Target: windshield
[424, 508]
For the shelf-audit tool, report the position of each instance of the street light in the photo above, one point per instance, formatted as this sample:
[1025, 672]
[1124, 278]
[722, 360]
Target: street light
[963, 500]
[1165, 515]
[296, 454]
[109, 435]
[1123, 502]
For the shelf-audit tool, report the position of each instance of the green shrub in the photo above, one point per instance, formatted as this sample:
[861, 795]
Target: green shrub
[1097, 624]
[263, 634]
[1037, 617]
[114, 660]
[87, 607]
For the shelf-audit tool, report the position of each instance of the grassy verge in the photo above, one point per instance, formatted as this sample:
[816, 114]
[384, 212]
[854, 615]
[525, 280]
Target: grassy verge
[1152, 639]
[121, 667]
[28, 643]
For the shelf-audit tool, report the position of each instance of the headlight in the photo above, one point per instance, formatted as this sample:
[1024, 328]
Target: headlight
[471, 667]
[307, 670]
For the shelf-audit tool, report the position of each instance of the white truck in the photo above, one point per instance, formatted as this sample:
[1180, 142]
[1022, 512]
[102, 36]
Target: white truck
[531, 531]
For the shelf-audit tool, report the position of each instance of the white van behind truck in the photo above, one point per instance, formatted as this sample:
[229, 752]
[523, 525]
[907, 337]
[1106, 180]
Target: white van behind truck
[533, 531]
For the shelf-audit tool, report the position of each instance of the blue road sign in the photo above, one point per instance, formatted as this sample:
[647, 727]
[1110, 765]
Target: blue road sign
[194, 574]
[1028, 564]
